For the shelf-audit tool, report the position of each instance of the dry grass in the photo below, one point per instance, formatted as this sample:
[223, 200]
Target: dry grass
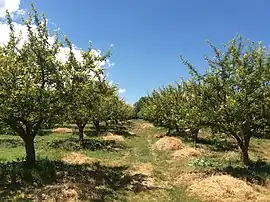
[260, 148]
[144, 169]
[112, 137]
[167, 144]
[186, 152]
[108, 134]
[77, 158]
[146, 126]
[145, 172]
[62, 130]
[225, 188]
[188, 178]
[59, 193]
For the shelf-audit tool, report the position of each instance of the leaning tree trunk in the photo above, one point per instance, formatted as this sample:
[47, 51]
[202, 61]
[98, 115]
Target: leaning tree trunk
[30, 149]
[28, 133]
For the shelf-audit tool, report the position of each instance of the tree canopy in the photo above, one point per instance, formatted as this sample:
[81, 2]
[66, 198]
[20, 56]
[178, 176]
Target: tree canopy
[31, 80]
[232, 97]
[37, 88]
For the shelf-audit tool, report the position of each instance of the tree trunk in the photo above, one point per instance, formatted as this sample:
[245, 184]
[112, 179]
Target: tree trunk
[177, 128]
[97, 126]
[195, 133]
[81, 129]
[30, 150]
[107, 125]
[244, 150]
[245, 157]
[27, 131]
[169, 131]
[81, 123]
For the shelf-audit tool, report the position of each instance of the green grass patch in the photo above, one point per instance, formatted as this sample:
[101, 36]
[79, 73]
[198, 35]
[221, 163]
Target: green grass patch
[110, 179]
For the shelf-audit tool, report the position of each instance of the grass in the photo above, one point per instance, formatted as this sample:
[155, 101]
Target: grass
[110, 180]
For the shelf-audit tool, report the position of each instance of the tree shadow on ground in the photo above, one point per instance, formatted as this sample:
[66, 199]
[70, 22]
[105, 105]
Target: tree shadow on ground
[92, 182]
[182, 135]
[114, 127]
[117, 130]
[220, 145]
[130, 123]
[11, 143]
[118, 127]
[258, 172]
[92, 133]
[123, 133]
[72, 144]
[213, 143]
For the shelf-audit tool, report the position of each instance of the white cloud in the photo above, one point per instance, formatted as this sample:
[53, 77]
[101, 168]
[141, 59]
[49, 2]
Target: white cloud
[20, 12]
[64, 53]
[13, 6]
[10, 5]
[17, 15]
[121, 90]
[21, 30]
[4, 33]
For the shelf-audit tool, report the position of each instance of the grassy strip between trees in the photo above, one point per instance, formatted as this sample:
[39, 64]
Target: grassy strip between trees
[129, 170]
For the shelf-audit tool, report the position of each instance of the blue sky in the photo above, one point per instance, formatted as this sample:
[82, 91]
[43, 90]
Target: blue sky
[150, 35]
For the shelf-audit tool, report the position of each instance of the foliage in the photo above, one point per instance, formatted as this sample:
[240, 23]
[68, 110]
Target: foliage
[206, 162]
[5, 129]
[232, 97]
[174, 107]
[83, 87]
[140, 104]
[236, 91]
[108, 106]
[31, 80]
[38, 90]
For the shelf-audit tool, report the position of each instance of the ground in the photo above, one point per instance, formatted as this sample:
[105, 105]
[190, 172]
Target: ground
[123, 165]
